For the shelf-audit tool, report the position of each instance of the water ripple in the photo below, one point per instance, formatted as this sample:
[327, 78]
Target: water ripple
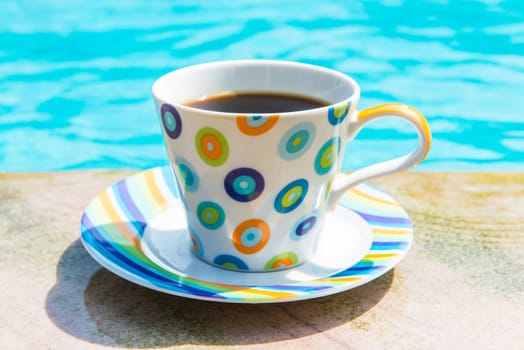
[76, 75]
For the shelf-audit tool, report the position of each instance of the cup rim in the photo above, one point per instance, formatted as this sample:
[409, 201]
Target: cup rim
[256, 62]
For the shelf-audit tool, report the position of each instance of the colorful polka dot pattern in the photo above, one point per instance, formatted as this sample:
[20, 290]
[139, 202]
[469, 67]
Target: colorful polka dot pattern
[257, 124]
[196, 242]
[231, 262]
[187, 173]
[296, 141]
[171, 121]
[214, 144]
[251, 236]
[114, 222]
[304, 226]
[290, 197]
[210, 215]
[282, 261]
[244, 184]
[337, 114]
[327, 155]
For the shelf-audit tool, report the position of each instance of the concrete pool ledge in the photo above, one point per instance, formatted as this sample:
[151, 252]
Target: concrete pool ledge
[460, 286]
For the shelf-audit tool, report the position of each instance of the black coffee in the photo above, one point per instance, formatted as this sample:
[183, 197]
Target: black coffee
[256, 102]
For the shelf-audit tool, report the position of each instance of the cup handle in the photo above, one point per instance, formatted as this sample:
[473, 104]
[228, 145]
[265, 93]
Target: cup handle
[344, 182]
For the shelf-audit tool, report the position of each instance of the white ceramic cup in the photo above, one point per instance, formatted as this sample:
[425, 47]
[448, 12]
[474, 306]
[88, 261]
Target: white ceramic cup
[257, 188]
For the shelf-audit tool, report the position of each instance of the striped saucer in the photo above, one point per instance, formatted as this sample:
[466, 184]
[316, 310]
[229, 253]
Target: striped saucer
[131, 228]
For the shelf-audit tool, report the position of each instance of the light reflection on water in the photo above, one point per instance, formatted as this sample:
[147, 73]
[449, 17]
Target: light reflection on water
[75, 77]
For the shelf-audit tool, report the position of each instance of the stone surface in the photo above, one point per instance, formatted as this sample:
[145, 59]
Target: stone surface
[461, 286]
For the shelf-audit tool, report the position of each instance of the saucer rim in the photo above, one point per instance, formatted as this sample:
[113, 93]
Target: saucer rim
[183, 261]
[254, 294]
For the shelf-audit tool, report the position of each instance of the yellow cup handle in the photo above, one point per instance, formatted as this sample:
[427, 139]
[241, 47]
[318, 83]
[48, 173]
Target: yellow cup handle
[344, 182]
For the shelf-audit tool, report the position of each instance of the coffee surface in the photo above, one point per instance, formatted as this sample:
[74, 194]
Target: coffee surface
[257, 102]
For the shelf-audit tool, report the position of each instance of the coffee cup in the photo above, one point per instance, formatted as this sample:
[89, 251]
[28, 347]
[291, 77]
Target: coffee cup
[256, 147]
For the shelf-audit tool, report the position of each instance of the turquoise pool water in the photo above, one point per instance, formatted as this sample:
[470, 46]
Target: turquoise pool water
[75, 76]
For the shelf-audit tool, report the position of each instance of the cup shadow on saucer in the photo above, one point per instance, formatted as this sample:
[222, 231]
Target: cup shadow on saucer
[95, 305]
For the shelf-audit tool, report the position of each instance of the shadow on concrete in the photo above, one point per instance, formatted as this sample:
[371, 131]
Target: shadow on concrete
[95, 305]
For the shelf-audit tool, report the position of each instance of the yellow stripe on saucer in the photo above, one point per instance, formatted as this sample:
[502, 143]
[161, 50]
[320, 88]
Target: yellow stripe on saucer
[337, 280]
[154, 189]
[387, 231]
[372, 198]
[117, 221]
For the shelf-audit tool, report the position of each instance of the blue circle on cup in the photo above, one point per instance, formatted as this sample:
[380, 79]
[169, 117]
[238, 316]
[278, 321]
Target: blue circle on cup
[244, 184]
[296, 141]
[291, 196]
[171, 121]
